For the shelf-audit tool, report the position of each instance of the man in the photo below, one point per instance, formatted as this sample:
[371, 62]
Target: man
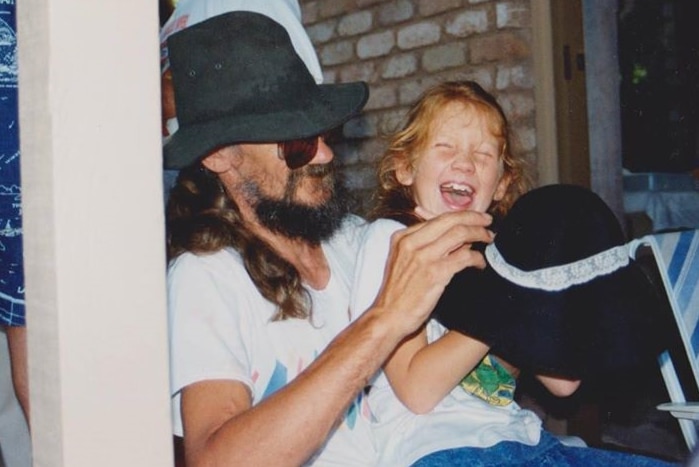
[266, 369]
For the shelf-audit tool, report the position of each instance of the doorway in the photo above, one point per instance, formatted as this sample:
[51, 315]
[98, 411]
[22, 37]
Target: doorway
[659, 64]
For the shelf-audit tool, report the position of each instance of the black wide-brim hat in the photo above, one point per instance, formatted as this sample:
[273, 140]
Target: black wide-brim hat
[560, 294]
[238, 79]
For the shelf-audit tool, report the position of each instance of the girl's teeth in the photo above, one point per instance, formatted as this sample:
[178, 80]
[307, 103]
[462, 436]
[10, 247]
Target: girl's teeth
[464, 189]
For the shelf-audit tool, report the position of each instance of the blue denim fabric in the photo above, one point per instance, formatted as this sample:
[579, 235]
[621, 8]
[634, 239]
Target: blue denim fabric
[548, 453]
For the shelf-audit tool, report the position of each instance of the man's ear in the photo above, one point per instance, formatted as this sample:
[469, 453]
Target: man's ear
[222, 160]
[404, 171]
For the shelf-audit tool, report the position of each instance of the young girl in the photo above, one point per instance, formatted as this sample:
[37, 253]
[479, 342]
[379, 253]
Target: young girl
[452, 154]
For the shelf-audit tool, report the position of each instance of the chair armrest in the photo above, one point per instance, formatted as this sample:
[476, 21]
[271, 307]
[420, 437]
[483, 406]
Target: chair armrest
[688, 410]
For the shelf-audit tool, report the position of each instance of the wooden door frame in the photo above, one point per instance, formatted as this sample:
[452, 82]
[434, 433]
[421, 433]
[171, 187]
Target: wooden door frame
[602, 78]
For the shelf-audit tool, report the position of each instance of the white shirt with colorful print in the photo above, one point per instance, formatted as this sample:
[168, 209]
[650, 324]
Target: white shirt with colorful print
[220, 328]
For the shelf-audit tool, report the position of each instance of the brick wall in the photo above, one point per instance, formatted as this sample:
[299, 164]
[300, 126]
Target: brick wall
[401, 47]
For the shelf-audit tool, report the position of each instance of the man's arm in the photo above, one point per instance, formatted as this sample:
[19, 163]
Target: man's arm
[221, 427]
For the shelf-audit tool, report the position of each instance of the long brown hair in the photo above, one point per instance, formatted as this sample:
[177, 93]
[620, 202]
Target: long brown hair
[202, 219]
[396, 200]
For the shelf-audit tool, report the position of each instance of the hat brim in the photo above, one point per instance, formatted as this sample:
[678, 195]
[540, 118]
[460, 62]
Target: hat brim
[332, 106]
[607, 325]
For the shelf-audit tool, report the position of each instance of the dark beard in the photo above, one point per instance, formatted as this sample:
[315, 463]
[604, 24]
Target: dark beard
[312, 224]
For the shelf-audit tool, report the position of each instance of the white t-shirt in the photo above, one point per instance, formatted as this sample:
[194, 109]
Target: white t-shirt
[460, 419]
[220, 328]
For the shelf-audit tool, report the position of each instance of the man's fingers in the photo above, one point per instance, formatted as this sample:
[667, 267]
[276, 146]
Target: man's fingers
[447, 220]
[464, 257]
[444, 243]
[447, 232]
[423, 259]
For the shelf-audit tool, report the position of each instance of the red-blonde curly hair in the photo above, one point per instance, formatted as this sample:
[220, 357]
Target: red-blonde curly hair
[396, 200]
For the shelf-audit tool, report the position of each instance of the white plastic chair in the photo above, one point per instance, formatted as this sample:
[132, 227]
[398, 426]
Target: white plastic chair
[677, 257]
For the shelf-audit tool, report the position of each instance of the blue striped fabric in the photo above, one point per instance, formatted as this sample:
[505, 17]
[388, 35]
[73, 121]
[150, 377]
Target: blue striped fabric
[680, 253]
[677, 256]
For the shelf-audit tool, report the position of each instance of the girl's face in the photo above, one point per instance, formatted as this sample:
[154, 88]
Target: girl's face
[459, 168]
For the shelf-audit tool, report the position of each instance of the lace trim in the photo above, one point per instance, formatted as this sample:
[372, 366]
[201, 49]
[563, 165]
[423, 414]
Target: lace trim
[557, 278]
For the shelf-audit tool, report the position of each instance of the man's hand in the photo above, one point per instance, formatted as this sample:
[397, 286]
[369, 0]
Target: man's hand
[422, 261]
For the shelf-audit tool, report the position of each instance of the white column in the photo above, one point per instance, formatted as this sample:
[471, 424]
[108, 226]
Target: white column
[93, 230]
[544, 93]
[603, 101]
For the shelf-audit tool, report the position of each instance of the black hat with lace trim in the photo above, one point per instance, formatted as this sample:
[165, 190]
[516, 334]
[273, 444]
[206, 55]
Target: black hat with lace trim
[560, 294]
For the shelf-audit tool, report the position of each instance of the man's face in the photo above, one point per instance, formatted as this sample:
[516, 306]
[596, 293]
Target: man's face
[308, 203]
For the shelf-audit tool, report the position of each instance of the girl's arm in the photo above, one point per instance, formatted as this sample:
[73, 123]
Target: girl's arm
[422, 374]
[558, 386]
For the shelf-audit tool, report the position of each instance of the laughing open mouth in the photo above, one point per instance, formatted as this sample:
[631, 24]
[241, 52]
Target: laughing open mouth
[457, 194]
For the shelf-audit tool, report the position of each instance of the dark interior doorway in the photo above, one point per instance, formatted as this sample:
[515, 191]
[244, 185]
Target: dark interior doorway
[659, 63]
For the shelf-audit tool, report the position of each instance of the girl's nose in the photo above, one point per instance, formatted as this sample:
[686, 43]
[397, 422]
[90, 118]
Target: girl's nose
[464, 161]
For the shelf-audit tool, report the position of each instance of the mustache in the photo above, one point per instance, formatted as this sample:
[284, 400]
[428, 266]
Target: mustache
[324, 174]
[315, 170]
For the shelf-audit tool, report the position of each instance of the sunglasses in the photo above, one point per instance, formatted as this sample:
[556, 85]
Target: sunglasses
[298, 152]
